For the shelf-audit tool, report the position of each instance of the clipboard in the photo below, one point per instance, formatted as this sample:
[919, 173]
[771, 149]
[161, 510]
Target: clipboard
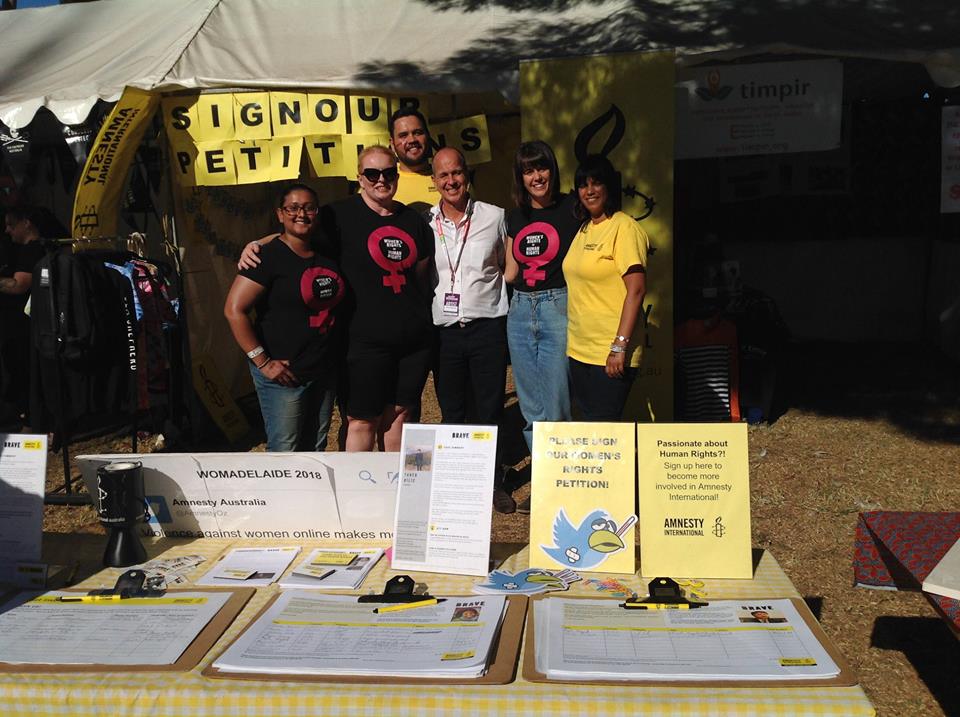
[502, 670]
[845, 678]
[190, 658]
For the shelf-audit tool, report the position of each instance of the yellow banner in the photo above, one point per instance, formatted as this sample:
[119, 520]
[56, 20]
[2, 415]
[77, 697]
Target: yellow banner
[97, 203]
[288, 113]
[624, 110]
[215, 164]
[326, 155]
[469, 135]
[369, 115]
[211, 389]
[328, 114]
[253, 161]
[583, 497]
[251, 115]
[694, 486]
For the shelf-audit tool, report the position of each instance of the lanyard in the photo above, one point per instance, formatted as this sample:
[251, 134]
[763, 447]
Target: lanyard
[443, 242]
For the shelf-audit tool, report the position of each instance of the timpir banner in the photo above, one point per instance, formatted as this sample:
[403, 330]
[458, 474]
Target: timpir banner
[287, 496]
[97, 202]
[250, 137]
[620, 106]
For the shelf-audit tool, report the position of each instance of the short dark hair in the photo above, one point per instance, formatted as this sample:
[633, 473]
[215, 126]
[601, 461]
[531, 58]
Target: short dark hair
[537, 155]
[43, 220]
[406, 111]
[298, 187]
[600, 170]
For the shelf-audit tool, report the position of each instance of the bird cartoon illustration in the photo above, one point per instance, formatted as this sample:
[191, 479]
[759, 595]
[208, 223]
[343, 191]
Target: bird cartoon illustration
[589, 544]
[532, 580]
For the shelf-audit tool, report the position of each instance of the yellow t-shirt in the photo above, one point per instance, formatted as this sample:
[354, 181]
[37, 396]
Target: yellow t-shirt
[594, 267]
[417, 191]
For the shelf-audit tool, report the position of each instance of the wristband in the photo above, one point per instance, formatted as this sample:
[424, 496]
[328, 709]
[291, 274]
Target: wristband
[263, 364]
[614, 349]
[255, 352]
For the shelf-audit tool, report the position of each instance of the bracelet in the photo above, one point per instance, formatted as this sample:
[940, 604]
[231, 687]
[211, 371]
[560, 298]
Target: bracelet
[255, 352]
[615, 349]
[263, 364]
[620, 338]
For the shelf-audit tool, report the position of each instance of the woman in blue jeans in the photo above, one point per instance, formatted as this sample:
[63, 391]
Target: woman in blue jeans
[292, 346]
[540, 231]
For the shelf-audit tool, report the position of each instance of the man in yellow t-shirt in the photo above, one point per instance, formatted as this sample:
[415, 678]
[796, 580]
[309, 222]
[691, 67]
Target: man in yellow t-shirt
[410, 141]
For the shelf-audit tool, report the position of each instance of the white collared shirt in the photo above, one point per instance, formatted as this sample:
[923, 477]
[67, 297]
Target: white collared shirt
[479, 277]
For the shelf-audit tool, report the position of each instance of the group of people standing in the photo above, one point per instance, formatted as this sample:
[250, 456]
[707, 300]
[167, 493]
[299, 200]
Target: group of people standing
[361, 298]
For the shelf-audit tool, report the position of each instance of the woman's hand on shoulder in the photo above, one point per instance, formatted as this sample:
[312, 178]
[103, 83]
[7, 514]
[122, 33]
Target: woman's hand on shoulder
[250, 257]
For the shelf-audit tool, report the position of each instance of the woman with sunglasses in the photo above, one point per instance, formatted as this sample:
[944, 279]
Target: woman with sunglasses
[292, 345]
[385, 250]
[540, 231]
[606, 276]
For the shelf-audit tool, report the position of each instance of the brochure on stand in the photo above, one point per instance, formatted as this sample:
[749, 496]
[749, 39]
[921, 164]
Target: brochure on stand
[249, 567]
[444, 506]
[333, 569]
[305, 633]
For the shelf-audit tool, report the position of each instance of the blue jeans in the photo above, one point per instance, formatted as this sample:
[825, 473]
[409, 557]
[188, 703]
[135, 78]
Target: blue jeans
[537, 337]
[296, 418]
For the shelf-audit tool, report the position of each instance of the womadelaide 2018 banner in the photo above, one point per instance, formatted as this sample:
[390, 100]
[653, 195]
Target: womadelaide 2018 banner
[250, 137]
[620, 106]
[96, 206]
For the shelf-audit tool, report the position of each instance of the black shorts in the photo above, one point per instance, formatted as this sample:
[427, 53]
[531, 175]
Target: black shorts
[379, 376]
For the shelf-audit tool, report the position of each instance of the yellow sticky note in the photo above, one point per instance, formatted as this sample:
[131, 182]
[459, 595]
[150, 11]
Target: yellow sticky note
[285, 154]
[251, 115]
[469, 135]
[289, 113]
[214, 117]
[327, 114]
[694, 489]
[253, 161]
[326, 155]
[368, 114]
[215, 166]
[583, 483]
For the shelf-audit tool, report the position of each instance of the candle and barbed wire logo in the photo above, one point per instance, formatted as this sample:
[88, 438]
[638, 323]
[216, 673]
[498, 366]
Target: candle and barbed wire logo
[718, 527]
[581, 149]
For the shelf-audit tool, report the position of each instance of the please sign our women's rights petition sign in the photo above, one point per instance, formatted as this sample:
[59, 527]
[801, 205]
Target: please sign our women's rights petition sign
[583, 490]
[694, 492]
[248, 137]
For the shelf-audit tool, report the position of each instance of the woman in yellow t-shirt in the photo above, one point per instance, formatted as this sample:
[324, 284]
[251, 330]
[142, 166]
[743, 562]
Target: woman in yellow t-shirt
[606, 277]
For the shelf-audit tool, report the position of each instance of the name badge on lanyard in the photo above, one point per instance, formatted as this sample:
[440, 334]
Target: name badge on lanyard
[451, 304]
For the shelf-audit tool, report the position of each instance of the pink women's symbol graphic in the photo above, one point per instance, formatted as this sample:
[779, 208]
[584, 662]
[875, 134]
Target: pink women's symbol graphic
[386, 247]
[321, 289]
[533, 273]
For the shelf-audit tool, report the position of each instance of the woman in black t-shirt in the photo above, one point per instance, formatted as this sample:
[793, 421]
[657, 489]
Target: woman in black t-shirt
[385, 249]
[291, 346]
[540, 231]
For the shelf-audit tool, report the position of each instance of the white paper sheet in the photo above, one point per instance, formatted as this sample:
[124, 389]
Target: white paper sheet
[307, 633]
[249, 567]
[138, 631]
[444, 502]
[728, 640]
[23, 469]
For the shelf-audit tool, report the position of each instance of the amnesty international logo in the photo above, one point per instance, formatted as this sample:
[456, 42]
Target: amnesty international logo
[719, 528]
[714, 90]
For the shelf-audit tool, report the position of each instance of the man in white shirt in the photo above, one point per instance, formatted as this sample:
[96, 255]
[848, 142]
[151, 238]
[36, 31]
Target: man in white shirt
[469, 301]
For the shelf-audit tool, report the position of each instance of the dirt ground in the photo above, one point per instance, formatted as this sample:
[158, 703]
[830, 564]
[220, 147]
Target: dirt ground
[860, 428]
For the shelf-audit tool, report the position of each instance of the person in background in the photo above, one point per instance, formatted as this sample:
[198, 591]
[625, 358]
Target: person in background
[410, 142]
[605, 270]
[540, 229]
[292, 345]
[26, 227]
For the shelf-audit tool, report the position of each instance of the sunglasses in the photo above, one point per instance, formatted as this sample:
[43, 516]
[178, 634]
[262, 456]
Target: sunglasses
[372, 174]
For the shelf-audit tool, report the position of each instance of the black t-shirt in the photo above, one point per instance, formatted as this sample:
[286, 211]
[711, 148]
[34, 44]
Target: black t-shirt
[541, 238]
[295, 315]
[18, 258]
[378, 256]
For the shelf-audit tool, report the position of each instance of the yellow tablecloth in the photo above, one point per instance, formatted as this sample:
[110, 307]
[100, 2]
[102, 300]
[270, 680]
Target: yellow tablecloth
[168, 694]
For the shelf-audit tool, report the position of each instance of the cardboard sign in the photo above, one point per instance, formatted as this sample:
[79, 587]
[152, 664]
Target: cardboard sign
[285, 496]
[694, 487]
[583, 496]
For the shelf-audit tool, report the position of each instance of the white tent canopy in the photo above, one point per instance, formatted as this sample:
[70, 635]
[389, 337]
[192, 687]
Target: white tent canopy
[67, 57]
